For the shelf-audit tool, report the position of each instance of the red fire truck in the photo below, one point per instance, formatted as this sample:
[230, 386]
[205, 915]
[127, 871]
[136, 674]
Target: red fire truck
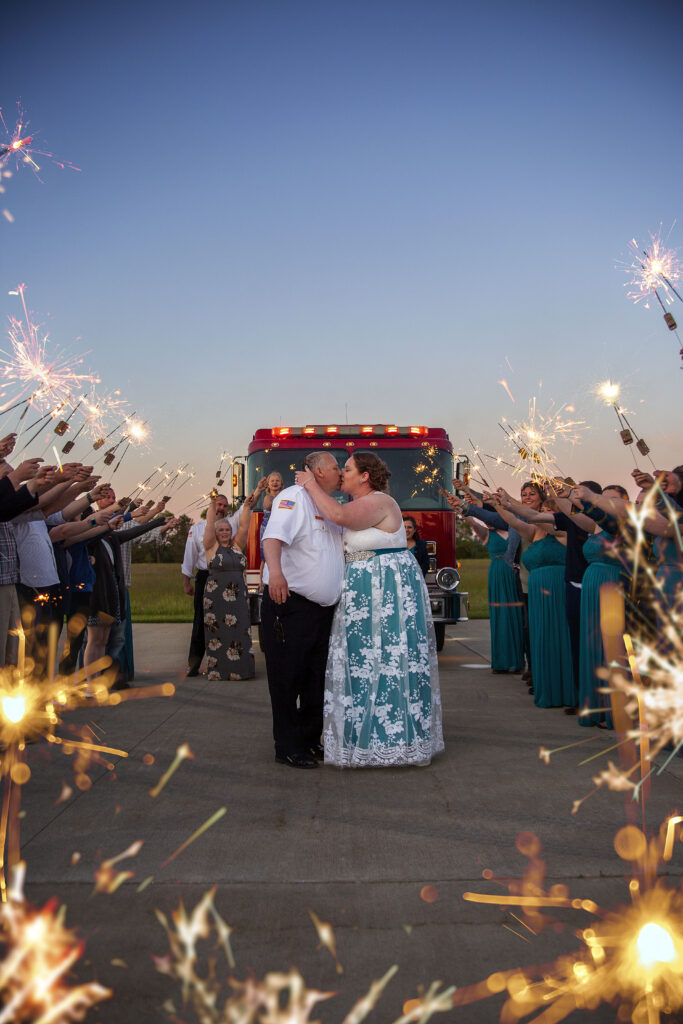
[422, 463]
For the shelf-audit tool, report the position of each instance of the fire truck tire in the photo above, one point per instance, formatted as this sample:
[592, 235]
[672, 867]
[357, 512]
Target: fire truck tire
[440, 630]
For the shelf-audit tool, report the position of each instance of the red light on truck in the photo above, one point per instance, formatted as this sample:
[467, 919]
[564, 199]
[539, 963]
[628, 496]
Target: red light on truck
[391, 430]
[308, 431]
[417, 430]
[281, 431]
[331, 430]
[367, 430]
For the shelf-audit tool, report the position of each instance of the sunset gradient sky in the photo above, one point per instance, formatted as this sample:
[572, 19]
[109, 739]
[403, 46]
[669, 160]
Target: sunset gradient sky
[290, 207]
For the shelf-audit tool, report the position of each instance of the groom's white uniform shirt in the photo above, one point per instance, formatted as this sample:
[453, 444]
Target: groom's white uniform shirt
[312, 557]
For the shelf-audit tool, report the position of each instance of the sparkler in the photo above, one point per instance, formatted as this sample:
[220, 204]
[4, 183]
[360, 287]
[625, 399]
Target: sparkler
[20, 145]
[39, 953]
[427, 471]
[631, 956]
[181, 754]
[31, 709]
[653, 269]
[534, 438]
[36, 366]
[277, 998]
[609, 391]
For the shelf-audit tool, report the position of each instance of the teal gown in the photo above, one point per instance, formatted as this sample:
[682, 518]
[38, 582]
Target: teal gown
[551, 652]
[602, 568]
[505, 610]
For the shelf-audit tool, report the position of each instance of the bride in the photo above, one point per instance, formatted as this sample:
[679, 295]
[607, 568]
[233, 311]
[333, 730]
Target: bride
[382, 699]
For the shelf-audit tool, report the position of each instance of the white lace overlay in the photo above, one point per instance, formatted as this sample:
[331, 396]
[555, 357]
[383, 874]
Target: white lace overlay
[382, 698]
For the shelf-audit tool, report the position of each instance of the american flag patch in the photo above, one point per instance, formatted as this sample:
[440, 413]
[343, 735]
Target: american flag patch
[286, 503]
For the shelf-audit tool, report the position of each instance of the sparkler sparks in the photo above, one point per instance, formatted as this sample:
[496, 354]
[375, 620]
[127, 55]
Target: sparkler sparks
[654, 268]
[39, 953]
[277, 998]
[35, 371]
[631, 956]
[535, 438]
[19, 145]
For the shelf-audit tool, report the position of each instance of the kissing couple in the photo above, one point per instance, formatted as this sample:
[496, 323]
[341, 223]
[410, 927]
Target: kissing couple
[346, 623]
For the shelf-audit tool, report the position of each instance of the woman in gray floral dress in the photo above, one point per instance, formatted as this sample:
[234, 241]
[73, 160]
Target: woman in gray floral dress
[226, 606]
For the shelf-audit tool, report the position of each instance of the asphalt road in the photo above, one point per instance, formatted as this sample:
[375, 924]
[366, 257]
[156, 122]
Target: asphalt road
[355, 847]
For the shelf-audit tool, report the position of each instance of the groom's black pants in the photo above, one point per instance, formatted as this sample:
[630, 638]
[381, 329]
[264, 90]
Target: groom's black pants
[295, 638]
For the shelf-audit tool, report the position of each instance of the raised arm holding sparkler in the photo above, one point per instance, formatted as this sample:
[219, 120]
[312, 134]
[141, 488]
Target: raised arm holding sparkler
[654, 523]
[226, 607]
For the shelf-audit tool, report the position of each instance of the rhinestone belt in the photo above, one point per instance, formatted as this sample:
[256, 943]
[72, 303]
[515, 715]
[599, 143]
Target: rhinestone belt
[357, 556]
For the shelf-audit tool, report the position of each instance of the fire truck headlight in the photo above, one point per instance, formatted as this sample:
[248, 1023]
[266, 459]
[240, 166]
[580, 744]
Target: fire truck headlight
[448, 579]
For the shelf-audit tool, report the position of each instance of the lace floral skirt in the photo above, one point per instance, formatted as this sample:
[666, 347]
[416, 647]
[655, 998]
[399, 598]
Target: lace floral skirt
[382, 698]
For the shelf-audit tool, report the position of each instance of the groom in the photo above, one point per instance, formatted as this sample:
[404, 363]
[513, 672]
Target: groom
[303, 579]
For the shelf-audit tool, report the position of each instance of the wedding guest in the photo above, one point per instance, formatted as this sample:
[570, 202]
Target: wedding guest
[108, 598]
[194, 565]
[551, 654]
[416, 544]
[506, 619]
[560, 514]
[227, 621]
[531, 496]
[274, 484]
[602, 556]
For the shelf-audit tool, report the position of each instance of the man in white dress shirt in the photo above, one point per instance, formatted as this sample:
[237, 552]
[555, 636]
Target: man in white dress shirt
[303, 579]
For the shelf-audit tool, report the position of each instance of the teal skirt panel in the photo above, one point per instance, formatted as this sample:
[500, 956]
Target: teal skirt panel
[592, 655]
[551, 653]
[506, 618]
[382, 699]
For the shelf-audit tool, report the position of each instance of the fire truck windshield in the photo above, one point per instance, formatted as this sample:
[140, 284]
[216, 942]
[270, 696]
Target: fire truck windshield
[417, 474]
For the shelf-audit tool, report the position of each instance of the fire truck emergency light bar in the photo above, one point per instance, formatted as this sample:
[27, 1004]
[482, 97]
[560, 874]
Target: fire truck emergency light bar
[348, 430]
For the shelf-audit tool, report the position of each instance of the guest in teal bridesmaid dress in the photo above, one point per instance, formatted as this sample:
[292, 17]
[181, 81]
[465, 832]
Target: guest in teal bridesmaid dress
[505, 609]
[506, 615]
[551, 649]
[603, 567]
[551, 652]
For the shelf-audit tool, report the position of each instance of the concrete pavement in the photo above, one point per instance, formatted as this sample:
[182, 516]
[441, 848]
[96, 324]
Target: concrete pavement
[356, 847]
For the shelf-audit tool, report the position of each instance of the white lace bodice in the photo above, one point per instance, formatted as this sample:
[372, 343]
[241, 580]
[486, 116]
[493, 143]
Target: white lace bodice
[373, 539]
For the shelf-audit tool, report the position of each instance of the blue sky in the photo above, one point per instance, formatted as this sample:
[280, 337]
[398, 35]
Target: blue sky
[289, 207]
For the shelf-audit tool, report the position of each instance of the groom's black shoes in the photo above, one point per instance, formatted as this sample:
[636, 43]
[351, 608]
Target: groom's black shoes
[297, 760]
[317, 751]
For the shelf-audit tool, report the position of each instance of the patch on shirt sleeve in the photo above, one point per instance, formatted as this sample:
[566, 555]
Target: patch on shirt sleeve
[287, 503]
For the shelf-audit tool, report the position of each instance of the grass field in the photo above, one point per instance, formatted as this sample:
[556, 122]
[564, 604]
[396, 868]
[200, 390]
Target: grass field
[157, 593]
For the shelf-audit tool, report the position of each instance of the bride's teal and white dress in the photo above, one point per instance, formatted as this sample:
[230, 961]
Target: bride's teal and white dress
[382, 698]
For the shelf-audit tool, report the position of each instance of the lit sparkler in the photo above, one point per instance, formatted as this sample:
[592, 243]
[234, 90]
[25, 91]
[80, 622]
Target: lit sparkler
[19, 145]
[31, 709]
[653, 268]
[535, 437]
[278, 998]
[609, 392]
[631, 956]
[38, 954]
[35, 371]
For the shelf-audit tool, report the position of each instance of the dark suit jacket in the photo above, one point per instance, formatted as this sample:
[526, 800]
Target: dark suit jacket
[13, 503]
[109, 592]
